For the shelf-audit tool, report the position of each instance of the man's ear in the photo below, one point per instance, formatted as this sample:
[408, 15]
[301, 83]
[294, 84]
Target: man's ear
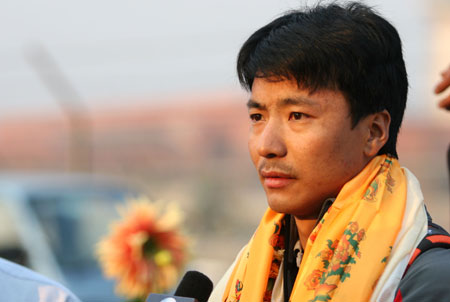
[378, 132]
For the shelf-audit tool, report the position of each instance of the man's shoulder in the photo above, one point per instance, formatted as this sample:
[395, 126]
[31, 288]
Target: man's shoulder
[18, 283]
[428, 277]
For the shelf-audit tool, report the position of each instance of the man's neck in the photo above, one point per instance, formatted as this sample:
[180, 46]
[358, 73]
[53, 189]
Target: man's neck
[305, 227]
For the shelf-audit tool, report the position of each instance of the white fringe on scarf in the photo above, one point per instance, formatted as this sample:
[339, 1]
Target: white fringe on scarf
[414, 228]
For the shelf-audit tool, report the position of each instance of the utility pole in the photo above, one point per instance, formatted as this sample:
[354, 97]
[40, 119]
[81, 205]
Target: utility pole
[80, 125]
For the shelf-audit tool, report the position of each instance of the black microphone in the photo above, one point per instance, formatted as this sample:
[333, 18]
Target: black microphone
[194, 287]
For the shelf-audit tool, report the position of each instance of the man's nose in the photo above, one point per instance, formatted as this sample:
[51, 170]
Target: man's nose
[271, 142]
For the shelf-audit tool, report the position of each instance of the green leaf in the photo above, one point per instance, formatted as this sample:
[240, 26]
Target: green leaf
[322, 298]
[337, 272]
[277, 227]
[344, 276]
[354, 243]
[329, 243]
[324, 277]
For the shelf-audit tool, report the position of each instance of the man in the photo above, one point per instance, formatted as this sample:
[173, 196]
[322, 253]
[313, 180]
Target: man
[20, 284]
[328, 91]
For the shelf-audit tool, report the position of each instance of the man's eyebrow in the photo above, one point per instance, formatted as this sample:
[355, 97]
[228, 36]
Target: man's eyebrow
[284, 102]
[254, 104]
[299, 101]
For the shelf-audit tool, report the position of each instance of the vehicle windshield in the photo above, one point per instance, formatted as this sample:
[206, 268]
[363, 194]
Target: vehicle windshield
[75, 220]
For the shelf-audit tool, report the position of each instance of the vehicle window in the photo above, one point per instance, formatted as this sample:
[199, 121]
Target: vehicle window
[74, 221]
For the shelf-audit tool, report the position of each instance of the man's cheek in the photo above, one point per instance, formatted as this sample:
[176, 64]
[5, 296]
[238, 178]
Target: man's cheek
[253, 152]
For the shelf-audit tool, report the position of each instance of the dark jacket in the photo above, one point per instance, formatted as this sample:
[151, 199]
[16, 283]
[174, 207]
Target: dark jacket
[428, 276]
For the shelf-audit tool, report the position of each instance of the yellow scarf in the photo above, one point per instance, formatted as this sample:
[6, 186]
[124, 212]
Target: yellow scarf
[345, 254]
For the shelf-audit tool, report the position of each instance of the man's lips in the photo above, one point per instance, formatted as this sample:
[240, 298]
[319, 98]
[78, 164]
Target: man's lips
[276, 180]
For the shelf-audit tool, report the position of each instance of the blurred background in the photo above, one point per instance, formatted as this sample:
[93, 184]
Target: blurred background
[100, 100]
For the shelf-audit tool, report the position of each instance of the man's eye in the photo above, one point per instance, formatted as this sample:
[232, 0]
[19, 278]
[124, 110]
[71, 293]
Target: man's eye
[255, 117]
[296, 115]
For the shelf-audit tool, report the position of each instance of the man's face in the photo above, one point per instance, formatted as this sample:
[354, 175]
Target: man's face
[302, 145]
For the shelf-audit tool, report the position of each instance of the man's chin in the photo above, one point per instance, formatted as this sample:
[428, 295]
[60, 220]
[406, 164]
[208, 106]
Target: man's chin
[285, 206]
[280, 206]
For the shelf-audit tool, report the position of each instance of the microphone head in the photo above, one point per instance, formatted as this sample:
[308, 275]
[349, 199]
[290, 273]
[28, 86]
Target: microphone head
[195, 285]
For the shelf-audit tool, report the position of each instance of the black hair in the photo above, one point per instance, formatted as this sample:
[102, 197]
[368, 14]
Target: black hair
[349, 48]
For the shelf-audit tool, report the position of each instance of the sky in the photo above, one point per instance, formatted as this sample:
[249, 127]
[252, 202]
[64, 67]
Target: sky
[117, 52]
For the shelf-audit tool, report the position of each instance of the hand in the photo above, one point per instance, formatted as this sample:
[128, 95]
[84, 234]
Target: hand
[442, 86]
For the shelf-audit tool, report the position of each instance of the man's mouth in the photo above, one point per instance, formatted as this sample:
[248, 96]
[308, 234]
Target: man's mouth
[276, 180]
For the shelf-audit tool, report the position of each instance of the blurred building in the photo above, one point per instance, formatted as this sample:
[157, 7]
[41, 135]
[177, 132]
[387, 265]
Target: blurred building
[200, 137]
